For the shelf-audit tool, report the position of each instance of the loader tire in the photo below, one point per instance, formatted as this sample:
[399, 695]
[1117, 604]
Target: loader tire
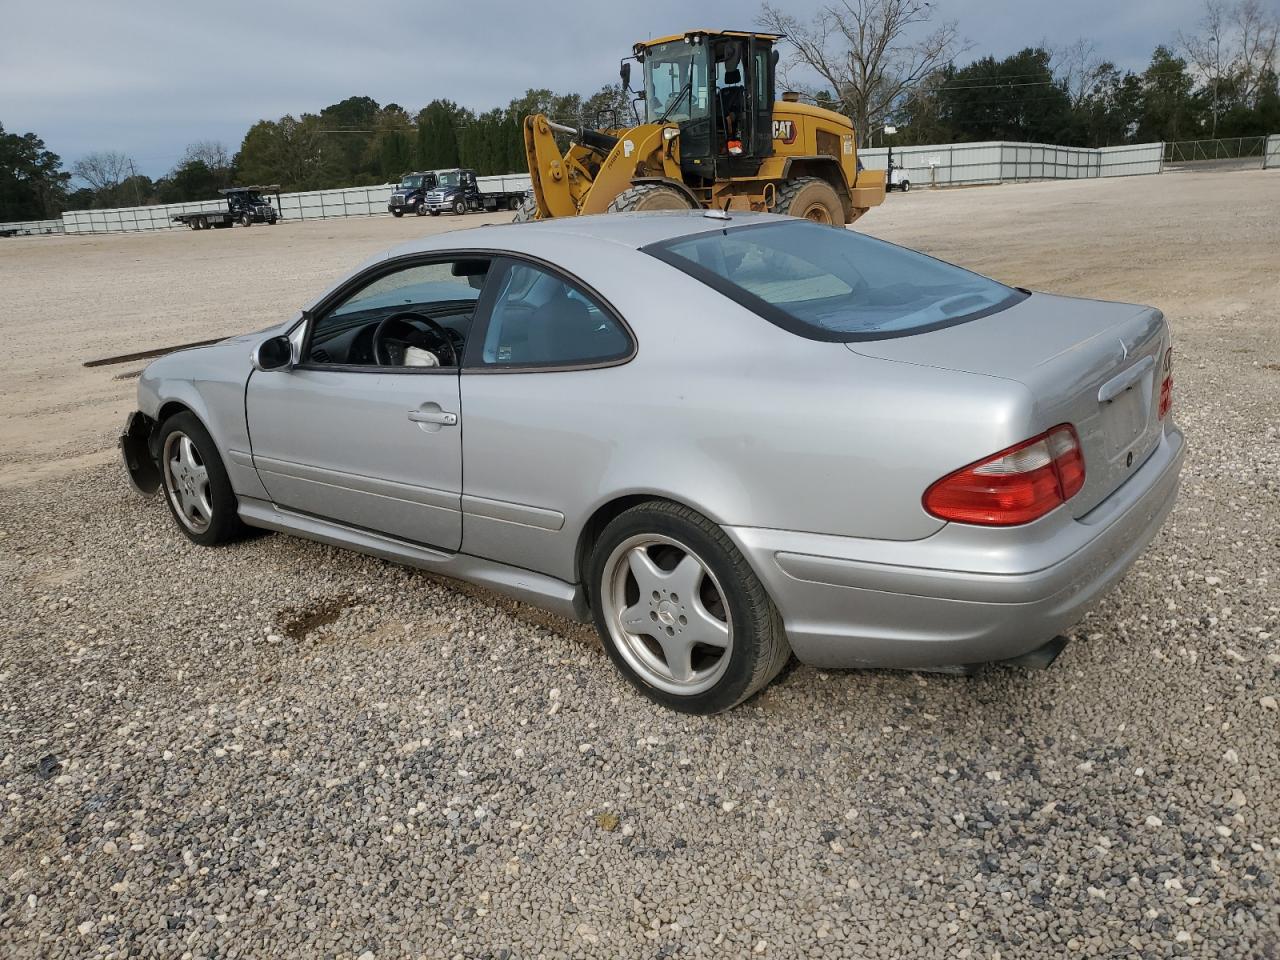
[527, 210]
[810, 198]
[649, 196]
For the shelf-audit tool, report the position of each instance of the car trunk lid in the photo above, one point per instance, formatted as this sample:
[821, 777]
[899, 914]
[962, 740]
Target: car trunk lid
[1093, 364]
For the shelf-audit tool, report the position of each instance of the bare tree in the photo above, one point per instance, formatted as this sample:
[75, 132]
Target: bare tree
[212, 153]
[1236, 42]
[103, 171]
[1078, 68]
[863, 50]
[1258, 37]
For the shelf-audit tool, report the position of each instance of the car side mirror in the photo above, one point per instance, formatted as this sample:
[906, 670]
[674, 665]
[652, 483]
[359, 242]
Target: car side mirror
[624, 72]
[273, 354]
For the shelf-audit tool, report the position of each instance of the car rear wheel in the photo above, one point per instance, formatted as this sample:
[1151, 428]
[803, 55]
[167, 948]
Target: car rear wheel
[811, 199]
[906, 186]
[681, 613]
[195, 483]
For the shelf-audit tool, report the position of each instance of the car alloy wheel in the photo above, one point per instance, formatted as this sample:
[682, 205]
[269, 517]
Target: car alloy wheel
[186, 482]
[666, 614]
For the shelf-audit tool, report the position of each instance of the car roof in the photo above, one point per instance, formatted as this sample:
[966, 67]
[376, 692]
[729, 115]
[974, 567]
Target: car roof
[632, 230]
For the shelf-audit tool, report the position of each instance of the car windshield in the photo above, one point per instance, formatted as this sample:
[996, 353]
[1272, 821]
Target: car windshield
[411, 183]
[835, 285]
[448, 179]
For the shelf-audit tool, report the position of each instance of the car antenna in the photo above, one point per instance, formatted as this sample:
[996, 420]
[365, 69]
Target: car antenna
[721, 214]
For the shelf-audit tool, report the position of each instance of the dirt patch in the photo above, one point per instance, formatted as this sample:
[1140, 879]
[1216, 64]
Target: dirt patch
[297, 623]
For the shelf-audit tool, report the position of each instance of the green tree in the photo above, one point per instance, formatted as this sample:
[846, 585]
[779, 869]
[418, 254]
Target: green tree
[192, 180]
[393, 144]
[348, 155]
[438, 135]
[1170, 109]
[287, 151]
[33, 185]
[1016, 98]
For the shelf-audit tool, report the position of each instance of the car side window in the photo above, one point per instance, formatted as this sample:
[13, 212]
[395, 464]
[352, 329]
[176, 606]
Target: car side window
[540, 318]
[417, 315]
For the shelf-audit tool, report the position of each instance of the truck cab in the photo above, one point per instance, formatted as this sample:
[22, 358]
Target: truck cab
[247, 205]
[410, 193]
[455, 190]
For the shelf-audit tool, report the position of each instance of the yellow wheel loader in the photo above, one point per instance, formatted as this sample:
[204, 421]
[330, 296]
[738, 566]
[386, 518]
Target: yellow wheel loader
[712, 136]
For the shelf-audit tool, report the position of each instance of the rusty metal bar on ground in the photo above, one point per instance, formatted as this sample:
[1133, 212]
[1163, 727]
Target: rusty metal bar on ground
[148, 354]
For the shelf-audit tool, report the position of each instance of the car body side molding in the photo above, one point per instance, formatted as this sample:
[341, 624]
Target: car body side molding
[564, 599]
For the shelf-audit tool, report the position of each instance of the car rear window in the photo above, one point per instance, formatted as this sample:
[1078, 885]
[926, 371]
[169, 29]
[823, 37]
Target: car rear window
[834, 284]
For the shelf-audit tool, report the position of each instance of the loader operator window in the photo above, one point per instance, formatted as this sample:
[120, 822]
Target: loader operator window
[676, 82]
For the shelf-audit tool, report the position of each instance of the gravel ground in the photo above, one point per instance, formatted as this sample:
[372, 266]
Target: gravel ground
[281, 749]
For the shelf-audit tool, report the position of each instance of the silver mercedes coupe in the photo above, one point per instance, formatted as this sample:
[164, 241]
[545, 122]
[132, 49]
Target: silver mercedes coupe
[722, 438]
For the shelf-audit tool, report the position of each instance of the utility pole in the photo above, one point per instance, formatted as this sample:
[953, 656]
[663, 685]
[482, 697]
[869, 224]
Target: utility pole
[137, 192]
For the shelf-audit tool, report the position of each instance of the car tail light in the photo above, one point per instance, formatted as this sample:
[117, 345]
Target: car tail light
[1166, 385]
[1016, 485]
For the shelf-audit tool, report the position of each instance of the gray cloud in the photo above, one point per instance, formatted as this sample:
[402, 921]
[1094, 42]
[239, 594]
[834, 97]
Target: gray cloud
[153, 76]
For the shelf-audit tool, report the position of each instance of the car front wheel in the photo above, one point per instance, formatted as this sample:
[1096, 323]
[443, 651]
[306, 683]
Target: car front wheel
[682, 614]
[196, 486]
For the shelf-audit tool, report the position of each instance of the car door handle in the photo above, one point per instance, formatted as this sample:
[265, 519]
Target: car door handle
[440, 417]
[1118, 385]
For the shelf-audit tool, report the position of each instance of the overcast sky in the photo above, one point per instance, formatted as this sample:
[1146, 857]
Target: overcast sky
[147, 77]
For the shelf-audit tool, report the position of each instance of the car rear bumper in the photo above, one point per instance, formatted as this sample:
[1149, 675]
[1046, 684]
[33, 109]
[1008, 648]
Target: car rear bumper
[966, 594]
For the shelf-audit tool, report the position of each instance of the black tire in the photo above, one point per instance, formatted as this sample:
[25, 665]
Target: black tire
[810, 198]
[420, 210]
[202, 223]
[513, 203]
[397, 214]
[246, 220]
[194, 225]
[459, 207]
[758, 649]
[224, 525]
[526, 210]
[906, 186]
[650, 196]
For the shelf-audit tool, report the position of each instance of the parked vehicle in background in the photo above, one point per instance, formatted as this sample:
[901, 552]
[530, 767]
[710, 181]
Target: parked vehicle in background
[898, 179]
[245, 206]
[458, 191]
[720, 437]
[410, 193]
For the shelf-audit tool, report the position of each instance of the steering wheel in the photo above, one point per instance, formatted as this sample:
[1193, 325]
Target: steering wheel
[397, 329]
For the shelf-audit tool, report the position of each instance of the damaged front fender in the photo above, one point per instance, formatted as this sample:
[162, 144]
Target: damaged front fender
[135, 450]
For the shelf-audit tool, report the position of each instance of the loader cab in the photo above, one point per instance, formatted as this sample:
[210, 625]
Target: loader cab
[719, 89]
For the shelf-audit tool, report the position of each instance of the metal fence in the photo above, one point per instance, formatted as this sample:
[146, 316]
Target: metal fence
[951, 164]
[30, 228]
[955, 164]
[307, 205]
